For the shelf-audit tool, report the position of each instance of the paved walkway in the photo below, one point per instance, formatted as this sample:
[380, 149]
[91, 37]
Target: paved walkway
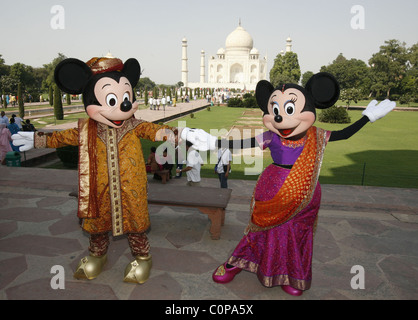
[161, 115]
[376, 228]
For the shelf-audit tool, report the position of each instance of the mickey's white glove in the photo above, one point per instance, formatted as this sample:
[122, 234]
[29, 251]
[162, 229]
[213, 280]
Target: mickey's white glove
[201, 140]
[24, 140]
[376, 111]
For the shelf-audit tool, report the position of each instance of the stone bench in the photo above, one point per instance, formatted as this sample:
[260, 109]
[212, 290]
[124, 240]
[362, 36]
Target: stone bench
[210, 201]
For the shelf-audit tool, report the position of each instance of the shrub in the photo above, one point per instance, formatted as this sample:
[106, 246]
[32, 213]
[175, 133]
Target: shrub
[250, 102]
[334, 115]
[235, 103]
[405, 99]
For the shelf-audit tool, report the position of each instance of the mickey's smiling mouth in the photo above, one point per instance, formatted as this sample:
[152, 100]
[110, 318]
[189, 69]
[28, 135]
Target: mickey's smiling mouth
[117, 123]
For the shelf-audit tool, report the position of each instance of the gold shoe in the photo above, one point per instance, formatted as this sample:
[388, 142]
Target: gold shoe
[90, 267]
[138, 271]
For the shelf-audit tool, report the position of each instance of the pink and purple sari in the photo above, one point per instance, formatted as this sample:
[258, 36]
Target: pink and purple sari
[281, 254]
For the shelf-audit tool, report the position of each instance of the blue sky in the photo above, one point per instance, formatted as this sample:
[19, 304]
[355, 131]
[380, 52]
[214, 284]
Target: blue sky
[151, 31]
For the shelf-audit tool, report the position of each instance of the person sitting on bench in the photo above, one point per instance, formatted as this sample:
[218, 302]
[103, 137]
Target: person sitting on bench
[156, 168]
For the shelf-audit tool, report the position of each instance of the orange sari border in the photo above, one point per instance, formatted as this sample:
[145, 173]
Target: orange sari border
[297, 190]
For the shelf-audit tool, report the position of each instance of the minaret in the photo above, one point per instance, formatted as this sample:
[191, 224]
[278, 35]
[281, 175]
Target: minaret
[289, 45]
[184, 69]
[202, 66]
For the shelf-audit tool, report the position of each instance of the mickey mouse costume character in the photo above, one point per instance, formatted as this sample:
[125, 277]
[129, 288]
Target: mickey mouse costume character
[278, 240]
[112, 195]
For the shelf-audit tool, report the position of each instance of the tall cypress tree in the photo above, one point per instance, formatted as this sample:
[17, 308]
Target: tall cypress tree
[58, 110]
[146, 96]
[20, 101]
[51, 96]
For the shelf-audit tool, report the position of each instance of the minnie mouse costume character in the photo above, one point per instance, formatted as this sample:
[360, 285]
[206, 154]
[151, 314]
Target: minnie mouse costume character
[278, 240]
[112, 193]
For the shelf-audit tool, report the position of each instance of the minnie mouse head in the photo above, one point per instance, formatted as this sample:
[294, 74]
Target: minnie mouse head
[289, 109]
[107, 86]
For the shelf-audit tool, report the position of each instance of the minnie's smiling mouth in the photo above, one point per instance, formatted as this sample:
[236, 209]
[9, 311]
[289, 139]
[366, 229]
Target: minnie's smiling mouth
[285, 132]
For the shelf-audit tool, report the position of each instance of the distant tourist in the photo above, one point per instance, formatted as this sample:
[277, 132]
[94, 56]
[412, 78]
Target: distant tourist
[5, 142]
[27, 126]
[4, 119]
[163, 102]
[224, 166]
[12, 126]
[18, 121]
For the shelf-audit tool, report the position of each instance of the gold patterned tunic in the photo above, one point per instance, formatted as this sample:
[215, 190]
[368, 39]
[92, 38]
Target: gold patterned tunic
[112, 175]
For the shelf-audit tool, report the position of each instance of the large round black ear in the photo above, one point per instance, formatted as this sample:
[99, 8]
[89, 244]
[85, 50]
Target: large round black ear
[132, 70]
[263, 92]
[324, 89]
[71, 75]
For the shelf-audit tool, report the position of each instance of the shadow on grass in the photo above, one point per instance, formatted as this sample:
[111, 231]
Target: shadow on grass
[397, 168]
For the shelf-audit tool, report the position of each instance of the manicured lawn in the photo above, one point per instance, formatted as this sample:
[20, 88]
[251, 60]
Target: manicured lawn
[386, 151]
[383, 153]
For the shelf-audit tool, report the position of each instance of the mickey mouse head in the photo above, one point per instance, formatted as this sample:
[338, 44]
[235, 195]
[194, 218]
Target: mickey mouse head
[107, 86]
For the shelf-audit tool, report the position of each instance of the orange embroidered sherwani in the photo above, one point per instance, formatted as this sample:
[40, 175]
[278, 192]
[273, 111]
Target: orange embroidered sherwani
[112, 177]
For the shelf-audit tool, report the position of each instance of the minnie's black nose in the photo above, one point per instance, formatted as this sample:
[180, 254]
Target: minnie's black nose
[125, 106]
[278, 118]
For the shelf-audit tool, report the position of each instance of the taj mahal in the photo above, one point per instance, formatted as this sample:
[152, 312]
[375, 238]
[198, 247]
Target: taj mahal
[237, 66]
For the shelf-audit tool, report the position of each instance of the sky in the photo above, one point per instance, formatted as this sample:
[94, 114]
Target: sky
[34, 32]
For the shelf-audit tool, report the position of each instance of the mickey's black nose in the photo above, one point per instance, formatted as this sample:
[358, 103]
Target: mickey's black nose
[125, 106]
[278, 118]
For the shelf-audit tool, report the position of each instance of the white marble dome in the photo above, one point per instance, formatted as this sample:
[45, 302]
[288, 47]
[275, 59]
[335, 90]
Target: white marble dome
[239, 38]
[254, 51]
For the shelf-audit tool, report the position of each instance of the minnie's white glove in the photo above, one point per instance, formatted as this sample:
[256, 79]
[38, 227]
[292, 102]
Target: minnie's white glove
[24, 140]
[201, 140]
[376, 111]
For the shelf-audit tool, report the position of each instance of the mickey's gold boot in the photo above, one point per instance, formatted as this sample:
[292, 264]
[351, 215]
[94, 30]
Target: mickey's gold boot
[90, 267]
[138, 271]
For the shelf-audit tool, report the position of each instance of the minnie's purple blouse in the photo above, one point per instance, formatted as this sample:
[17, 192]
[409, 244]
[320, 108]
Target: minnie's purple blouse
[280, 153]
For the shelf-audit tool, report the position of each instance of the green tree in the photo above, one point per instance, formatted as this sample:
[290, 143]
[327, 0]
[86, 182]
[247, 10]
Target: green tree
[305, 77]
[145, 82]
[146, 96]
[9, 83]
[50, 69]
[20, 101]
[23, 74]
[4, 69]
[410, 83]
[68, 98]
[51, 96]
[58, 110]
[285, 69]
[350, 94]
[388, 66]
[351, 73]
